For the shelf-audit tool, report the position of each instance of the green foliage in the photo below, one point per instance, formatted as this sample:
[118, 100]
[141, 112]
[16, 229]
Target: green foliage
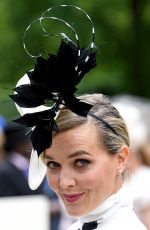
[122, 39]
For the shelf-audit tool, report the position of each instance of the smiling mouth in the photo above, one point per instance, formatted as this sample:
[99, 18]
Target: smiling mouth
[72, 197]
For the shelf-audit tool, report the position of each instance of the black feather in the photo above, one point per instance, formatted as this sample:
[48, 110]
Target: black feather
[54, 78]
[77, 106]
[28, 95]
[41, 139]
[56, 74]
[44, 125]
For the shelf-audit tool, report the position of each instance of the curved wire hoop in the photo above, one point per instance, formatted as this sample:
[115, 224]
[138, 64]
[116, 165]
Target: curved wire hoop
[62, 35]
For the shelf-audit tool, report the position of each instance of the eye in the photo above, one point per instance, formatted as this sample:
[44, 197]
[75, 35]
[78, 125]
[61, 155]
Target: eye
[52, 165]
[80, 163]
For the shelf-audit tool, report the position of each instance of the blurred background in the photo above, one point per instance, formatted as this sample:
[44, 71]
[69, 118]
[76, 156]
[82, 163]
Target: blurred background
[122, 37]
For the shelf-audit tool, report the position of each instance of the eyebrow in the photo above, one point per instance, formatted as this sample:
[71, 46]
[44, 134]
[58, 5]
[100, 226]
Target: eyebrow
[78, 153]
[75, 154]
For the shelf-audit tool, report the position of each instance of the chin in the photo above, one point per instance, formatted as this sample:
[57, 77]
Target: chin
[75, 214]
[76, 211]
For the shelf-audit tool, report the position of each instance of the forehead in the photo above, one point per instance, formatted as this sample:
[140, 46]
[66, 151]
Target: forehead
[81, 138]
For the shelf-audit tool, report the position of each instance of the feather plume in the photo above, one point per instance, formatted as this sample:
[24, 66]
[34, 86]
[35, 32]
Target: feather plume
[54, 76]
[43, 123]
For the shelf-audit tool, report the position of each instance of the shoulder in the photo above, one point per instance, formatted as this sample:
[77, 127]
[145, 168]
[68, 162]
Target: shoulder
[126, 221]
[74, 226]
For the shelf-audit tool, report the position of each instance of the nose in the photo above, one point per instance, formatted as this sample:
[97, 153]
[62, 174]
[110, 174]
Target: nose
[67, 179]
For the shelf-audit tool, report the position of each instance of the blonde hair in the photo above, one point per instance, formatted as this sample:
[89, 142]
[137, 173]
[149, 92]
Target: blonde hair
[104, 110]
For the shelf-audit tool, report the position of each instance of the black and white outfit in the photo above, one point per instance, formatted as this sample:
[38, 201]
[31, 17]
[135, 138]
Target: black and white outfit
[115, 213]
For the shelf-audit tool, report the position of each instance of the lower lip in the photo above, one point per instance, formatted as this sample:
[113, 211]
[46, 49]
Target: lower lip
[73, 198]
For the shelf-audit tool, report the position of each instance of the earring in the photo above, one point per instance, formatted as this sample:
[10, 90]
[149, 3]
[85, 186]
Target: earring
[119, 171]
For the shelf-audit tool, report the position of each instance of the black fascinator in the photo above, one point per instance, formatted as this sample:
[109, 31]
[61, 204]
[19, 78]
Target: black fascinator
[55, 79]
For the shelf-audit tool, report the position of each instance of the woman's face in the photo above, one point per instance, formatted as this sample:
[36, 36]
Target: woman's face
[80, 170]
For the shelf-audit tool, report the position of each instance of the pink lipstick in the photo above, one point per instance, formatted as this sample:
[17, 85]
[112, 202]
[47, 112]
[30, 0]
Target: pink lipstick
[73, 197]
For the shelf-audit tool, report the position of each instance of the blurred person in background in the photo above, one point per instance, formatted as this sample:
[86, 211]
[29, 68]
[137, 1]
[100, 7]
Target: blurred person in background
[2, 122]
[2, 141]
[2, 138]
[139, 160]
[14, 169]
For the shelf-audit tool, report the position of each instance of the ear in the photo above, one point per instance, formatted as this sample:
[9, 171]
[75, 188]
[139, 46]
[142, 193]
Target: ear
[122, 158]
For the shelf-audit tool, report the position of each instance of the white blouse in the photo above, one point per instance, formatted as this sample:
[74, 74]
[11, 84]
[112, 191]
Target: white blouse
[116, 213]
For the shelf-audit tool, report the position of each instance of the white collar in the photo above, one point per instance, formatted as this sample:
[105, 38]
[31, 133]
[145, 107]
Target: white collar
[109, 207]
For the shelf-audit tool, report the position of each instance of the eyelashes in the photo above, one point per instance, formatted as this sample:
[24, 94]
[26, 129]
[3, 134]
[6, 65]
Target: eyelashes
[78, 163]
[53, 165]
[81, 163]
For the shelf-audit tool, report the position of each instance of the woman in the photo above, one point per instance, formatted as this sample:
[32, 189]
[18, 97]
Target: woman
[83, 141]
[86, 165]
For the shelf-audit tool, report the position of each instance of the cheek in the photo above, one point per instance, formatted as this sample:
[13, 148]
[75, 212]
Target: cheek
[101, 176]
[90, 179]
